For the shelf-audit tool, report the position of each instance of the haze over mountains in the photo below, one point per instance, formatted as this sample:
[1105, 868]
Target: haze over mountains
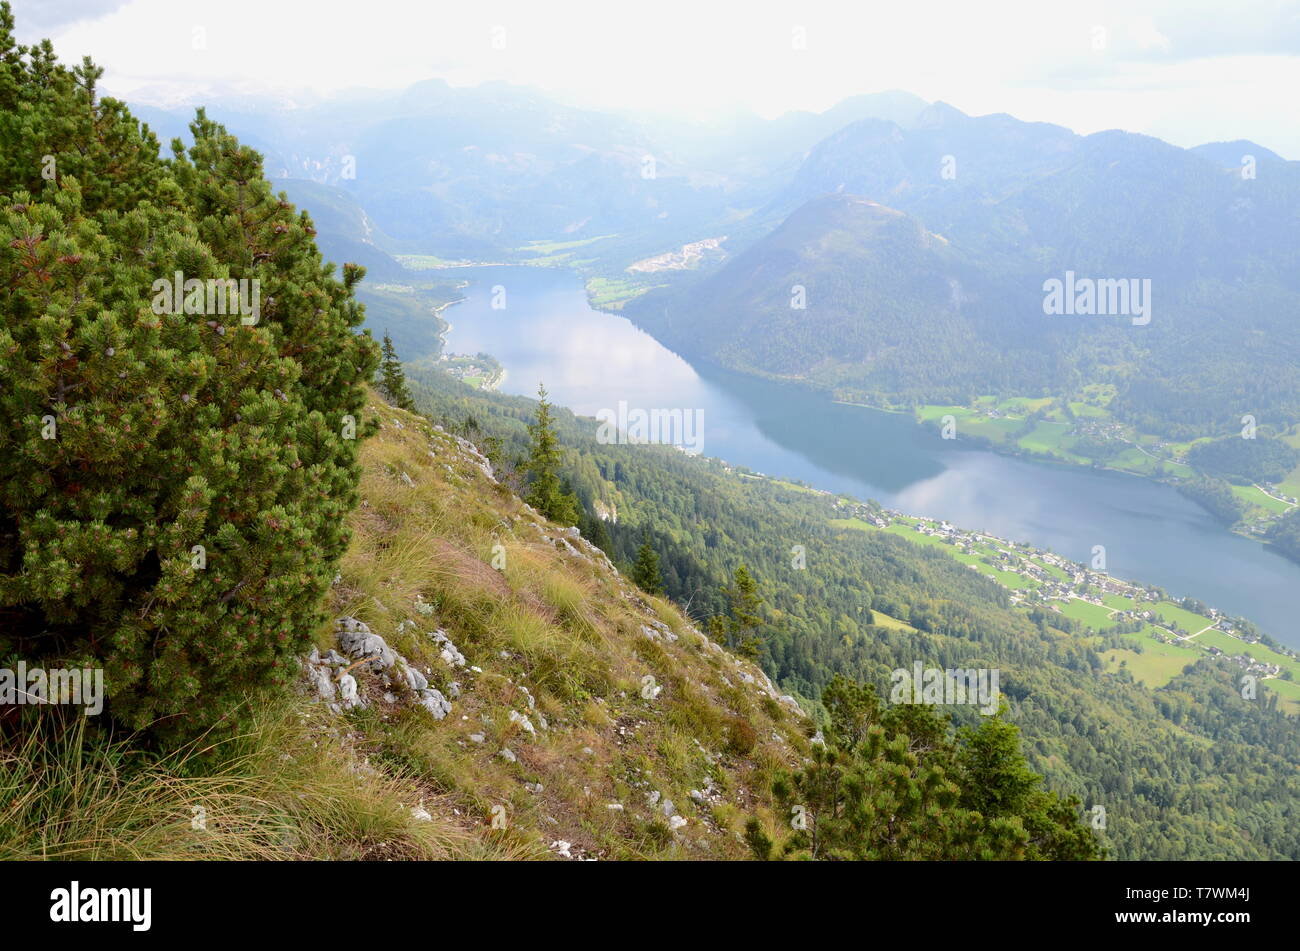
[992, 208]
[482, 170]
[485, 626]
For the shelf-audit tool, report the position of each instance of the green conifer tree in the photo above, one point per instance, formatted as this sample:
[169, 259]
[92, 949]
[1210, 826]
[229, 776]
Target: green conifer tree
[594, 530]
[392, 377]
[744, 605]
[174, 483]
[546, 492]
[893, 783]
[645, 572]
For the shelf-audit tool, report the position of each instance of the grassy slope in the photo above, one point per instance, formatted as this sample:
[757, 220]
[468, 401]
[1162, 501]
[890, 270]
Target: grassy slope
[566, 627]
[556, 624]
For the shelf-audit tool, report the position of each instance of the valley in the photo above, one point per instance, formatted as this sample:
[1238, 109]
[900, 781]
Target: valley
[576, 477]
[1142, 616]
[590, 360]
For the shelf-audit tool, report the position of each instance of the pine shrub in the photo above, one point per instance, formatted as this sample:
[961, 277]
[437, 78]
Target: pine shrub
[173, 485]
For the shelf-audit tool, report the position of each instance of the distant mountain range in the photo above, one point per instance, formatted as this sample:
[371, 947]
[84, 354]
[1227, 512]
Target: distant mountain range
[479, 172]
[948, 301]
[922, 237]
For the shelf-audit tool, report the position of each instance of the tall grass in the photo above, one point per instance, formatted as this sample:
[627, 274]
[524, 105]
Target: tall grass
[286, 789]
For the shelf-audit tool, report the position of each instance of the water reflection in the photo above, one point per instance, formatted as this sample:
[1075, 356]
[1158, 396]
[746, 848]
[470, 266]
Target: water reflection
[591, 360]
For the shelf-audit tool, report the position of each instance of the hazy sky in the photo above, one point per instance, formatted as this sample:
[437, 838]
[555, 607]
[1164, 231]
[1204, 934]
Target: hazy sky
[1186, 70]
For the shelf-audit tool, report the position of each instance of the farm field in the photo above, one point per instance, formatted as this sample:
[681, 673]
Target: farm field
[1180, 617]
[1253, 495]
[1049, 438]
[551, 247]
[1094, 615]
[427, 262]
[1155, 665]
[1288, 691]
[1231, 645]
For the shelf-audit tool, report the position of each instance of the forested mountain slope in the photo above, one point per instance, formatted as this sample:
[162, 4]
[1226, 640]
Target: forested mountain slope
[1022, 204]
[322, 627]
[1188, 770]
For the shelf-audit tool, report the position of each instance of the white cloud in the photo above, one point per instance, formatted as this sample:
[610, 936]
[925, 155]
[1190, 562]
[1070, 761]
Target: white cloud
[1160, 71]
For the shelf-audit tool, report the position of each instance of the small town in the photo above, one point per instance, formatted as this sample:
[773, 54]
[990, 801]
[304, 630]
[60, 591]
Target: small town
[1036, 577]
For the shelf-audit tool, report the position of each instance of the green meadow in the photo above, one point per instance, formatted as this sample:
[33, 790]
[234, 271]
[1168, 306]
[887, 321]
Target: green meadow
[1151, 662]
[551, 247]
[1050, 435]
[1253, 495]
[1189, 622]
[881, 619]
[1288, 691]
[426, 262]
[1231, 645]
[613, 293]
[1094, 615]
[1156, 664]
[1057, 573]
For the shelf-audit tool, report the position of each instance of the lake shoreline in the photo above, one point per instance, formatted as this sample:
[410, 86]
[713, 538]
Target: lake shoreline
[788, 432]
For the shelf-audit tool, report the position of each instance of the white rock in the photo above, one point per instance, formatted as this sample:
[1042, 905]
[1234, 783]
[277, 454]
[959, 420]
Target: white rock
[523, 721]
[357, 639]
[320, 678]
[348, 695]
[414, 679]
[433, 701]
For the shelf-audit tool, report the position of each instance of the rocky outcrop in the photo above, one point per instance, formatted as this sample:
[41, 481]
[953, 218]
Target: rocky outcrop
[331, 674]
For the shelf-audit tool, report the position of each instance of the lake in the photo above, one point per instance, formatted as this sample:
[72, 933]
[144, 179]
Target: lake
[590, 361]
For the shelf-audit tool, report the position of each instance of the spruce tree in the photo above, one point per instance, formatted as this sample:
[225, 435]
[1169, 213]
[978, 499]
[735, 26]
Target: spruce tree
[546, 492]
[645, 572]
[174, 486]
[392, 378]
[594, 530]
[744, 604]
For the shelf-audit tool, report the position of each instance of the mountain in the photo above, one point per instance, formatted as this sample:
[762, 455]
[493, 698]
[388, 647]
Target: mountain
[847, 292]
[549, 727]
[247, 517]
[1185, 766]
[755, 149]
[331, 628]
[344, 232]
[1023, 194]
[1232, 154]
[1023, 204]
[940, 160]
[478, 172]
